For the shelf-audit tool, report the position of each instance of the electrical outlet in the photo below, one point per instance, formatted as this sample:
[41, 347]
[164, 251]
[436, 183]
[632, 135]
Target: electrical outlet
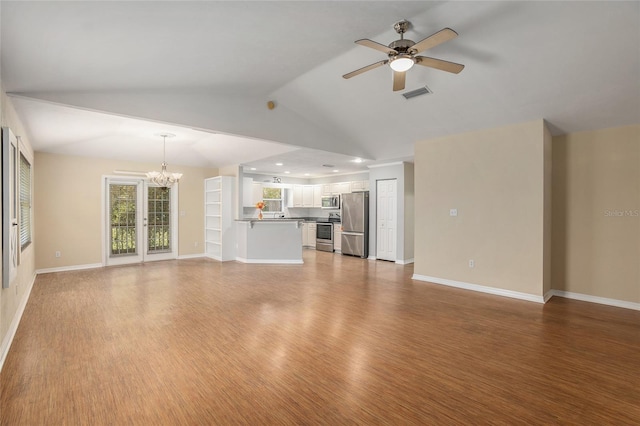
[472, 263]
[58, 254]
[453, 212]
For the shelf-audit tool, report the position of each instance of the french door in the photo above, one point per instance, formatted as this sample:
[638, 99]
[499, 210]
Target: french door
[141, 221]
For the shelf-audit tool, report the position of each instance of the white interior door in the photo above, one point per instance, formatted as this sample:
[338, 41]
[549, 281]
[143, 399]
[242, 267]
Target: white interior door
[141, 222]
[386, 219]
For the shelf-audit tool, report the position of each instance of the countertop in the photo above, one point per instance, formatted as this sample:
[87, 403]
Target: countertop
[290, 219]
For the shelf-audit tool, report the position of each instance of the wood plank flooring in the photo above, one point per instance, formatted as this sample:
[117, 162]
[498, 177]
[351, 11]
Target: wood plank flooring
[338, 340]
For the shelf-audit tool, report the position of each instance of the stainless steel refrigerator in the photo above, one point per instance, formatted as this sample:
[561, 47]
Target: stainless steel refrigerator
[355, 224]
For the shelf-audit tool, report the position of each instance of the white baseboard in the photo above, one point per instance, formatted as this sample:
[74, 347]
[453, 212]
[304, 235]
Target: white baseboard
[371, 258]
[596, 299]
[69, 268]
[190, 256]
[548, 295]
[404, 262]
[480, 288]
[271, 261]
[13, 327]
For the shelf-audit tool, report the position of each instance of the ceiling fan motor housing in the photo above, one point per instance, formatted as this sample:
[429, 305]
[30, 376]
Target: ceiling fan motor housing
[401, 46]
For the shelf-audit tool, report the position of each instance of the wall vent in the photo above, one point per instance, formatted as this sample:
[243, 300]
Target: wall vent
[418, 92]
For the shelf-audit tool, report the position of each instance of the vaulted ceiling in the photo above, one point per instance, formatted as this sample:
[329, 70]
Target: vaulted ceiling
[210, 67]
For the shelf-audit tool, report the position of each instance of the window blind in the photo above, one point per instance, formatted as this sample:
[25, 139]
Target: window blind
[25, 202]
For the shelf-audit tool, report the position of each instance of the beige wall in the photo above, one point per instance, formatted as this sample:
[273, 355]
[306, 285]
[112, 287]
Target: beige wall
[495, 179]
[548, 209]
[11, 298]
[596, 201]
[409, 211]
[68, 207]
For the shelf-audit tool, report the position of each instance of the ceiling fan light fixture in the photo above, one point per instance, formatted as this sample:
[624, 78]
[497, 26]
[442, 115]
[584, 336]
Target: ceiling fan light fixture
[402, 63]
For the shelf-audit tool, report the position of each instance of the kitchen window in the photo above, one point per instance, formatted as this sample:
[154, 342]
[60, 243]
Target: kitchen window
[272, 198]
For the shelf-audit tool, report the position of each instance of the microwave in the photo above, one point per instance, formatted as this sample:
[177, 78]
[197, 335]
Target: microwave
[331, 202]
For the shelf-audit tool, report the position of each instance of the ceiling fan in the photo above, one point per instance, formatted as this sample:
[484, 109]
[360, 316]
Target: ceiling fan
[402, 54]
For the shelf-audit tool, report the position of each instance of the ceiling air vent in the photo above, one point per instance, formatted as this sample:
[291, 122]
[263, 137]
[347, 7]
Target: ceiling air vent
[418, 92]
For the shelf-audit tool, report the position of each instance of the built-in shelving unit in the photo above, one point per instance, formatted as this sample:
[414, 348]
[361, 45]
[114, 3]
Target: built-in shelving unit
[218, 218]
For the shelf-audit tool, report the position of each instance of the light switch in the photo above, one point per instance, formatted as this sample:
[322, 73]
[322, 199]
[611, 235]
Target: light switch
[453, 212]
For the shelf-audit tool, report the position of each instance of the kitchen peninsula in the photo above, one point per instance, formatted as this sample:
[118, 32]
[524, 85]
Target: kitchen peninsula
[276, 241]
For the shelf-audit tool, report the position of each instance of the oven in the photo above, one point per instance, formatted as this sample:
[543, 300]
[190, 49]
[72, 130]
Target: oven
[324, 236]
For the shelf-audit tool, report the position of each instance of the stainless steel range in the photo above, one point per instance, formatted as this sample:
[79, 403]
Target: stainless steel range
[324, 233]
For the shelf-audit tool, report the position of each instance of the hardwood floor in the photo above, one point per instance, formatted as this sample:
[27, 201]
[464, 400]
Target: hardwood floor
[338, 340]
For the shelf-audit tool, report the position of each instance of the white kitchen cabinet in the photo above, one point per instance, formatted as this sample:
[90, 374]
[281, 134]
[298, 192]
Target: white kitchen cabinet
[307, 195]
[256, 193]
[219, 238]
[357, 185]
[297, 195]
[337, 237]
[311, 236]
[326, 189]
[251, 192]
[247, 196]
[341, 188]
[305, 234]
[317, 196]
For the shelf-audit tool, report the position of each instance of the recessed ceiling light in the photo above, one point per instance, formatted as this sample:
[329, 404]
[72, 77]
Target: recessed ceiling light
[253, 168]
[306, 174]
[336, 171]
[287, 172]
[358, 160]
[279, 164]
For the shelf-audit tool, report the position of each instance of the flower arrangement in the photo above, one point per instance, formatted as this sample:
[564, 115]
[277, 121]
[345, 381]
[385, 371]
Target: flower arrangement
[260, 205]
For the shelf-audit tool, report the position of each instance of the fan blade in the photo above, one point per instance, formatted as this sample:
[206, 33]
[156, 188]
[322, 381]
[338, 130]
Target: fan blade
[439, 64]
[433, 40]
[364, 69]
[398, 80]
[377, 46]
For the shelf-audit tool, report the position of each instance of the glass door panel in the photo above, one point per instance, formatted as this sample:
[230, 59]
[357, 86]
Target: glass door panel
[124, 223]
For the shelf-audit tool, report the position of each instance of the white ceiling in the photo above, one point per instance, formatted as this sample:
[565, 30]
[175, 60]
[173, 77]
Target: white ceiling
[213, 65]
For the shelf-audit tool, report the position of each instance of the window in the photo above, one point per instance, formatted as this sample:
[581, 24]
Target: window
[25, 202]
[272, 198]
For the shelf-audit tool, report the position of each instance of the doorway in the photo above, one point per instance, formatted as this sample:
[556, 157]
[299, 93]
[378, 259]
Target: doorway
[141, 221]
[386, 219]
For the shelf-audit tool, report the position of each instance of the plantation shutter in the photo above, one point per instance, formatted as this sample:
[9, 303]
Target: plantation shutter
[25, 202]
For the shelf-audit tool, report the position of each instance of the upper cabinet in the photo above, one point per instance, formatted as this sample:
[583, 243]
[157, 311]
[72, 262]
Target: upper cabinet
[251, 192]
[317, 196]
[307, 195]
[342, 187]
[297, 196]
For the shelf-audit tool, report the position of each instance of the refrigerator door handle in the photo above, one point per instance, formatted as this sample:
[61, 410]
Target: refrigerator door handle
[351, 233]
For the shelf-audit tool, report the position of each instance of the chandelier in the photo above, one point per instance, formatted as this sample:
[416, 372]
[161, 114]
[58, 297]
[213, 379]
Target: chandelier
[164, 179]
